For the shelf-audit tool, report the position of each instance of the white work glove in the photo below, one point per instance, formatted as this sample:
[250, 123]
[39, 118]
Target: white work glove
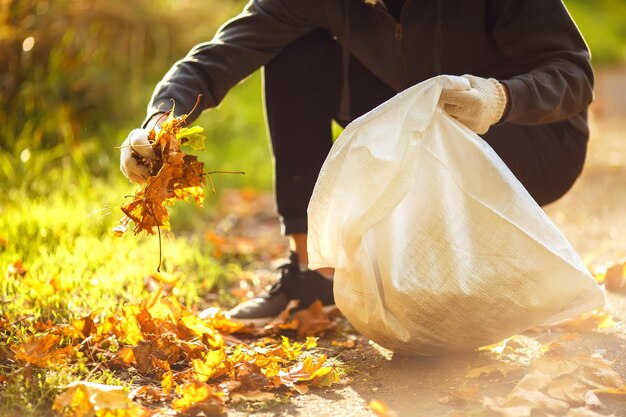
[135, 147]
[479, 107]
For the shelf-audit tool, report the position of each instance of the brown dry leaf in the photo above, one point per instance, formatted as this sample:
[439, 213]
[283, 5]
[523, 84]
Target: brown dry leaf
[82, 399]
[312, 320]
[525, 397]
[168, 348]
[598, 372]
[534, 381]
[150, 394]
[503, 368]
[85, 325]
[466, 392]
[494, 404]
[249, 377]
[567, 388]
[196, 397]
[142, 353]
[42, 351]
[348, 343]
[554, 365]
[283, 321]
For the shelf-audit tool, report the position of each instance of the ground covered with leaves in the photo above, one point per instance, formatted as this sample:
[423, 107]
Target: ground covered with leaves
[89, 328]
[156, 354]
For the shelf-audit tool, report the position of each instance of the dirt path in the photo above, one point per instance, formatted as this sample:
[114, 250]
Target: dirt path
[592, 217]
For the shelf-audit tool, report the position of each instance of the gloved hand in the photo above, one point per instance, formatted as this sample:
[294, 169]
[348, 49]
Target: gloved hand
[136, 147]
[479, 107]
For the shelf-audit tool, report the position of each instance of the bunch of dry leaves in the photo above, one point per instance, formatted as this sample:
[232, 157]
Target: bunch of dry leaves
[183, 362]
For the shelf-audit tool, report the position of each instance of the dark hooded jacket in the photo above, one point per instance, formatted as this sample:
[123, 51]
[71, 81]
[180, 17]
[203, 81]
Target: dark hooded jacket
[532, 46]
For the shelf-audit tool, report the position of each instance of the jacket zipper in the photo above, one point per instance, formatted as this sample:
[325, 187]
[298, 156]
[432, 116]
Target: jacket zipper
[399, 28]
[399, 31]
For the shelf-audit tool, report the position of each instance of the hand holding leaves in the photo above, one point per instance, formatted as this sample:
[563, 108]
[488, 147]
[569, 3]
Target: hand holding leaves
[172, 175]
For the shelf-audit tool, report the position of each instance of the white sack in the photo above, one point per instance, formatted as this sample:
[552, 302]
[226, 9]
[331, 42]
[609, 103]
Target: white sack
[436, 245]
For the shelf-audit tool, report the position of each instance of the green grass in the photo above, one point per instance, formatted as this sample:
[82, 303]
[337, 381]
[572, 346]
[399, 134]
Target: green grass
[76, 266]
[603, 24]
[67, 237]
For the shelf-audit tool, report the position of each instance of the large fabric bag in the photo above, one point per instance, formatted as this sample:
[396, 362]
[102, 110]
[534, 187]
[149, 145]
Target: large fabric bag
[436, 245]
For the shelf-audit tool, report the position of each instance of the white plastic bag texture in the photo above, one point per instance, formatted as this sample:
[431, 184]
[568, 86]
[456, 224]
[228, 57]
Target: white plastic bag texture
[436, 245]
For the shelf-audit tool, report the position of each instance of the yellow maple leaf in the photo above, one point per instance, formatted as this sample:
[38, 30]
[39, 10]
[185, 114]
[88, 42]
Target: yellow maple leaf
[199, 397]
[167, 382]
[214, 364]
[82, 399]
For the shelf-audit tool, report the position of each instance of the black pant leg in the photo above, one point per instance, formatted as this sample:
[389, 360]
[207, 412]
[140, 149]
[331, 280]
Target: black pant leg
[302, 88]
[546, 159]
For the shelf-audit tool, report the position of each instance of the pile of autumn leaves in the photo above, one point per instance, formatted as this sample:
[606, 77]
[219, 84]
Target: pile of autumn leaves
[183, 362]
[188, 363]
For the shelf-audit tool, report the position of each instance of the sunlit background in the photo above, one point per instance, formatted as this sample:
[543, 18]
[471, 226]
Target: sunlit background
[75, 78]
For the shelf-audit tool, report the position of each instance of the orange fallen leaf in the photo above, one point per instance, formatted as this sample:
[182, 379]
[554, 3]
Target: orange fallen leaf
[196, 397]
[308, 371]
[83, 398]
[593, 320]
[466, 392]
[348, 343]
[213, 365]
[42, 351]
[312, 320]
[150, 394]
[380, 408]
[503, 368]
[612, 275]
[167, 382]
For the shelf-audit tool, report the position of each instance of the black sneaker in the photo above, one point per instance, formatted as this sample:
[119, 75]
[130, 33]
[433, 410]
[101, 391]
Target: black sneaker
[293, 284]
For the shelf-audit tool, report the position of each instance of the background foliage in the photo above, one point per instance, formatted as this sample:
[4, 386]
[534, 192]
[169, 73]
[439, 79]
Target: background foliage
[75, 76]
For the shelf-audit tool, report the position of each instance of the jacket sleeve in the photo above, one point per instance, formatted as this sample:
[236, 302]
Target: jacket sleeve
[240, 46]
[540, 36]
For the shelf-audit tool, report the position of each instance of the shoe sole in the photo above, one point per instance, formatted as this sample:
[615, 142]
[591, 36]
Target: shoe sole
[262, 321]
